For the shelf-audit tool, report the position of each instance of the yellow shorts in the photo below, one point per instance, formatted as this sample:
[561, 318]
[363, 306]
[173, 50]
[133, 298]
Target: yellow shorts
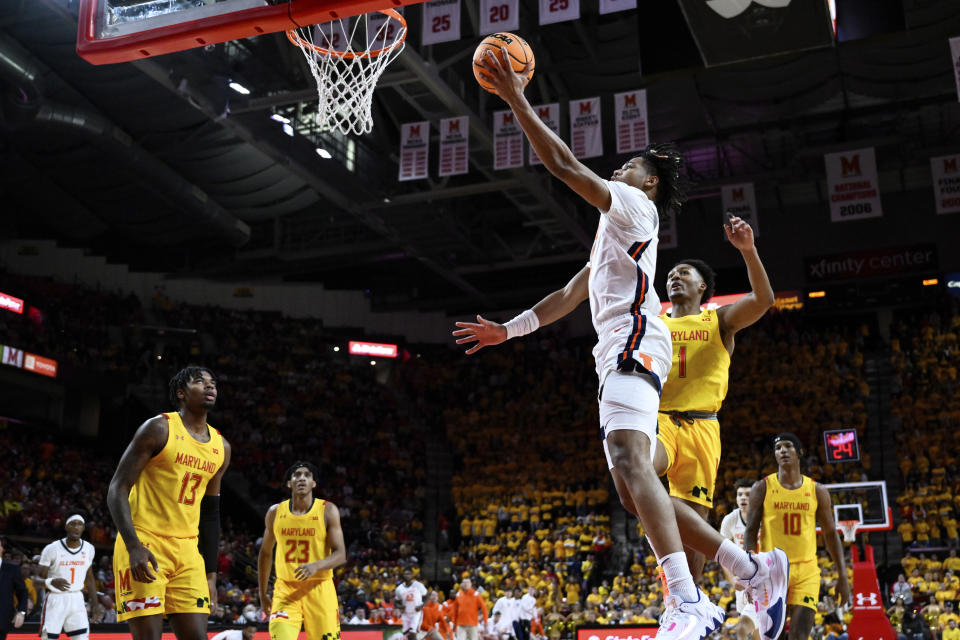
[693, 457]
[312, 603]
[180, 585]
[804, 586]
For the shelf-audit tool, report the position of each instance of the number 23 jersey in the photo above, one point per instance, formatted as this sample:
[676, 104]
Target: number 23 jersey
[790, 519]
[300, 539]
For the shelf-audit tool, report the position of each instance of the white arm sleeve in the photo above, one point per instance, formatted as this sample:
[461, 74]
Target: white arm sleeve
[631, 209]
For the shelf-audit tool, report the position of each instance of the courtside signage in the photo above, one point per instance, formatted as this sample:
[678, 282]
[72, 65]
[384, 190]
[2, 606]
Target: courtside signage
[378, 349]
[616, 633]
[11, 303]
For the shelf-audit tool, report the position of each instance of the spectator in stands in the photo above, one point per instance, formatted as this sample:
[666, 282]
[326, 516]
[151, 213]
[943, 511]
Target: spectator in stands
[902, 589]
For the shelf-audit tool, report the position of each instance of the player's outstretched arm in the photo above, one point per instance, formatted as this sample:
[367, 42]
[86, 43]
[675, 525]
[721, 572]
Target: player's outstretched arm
[556, 305]
[209, 533]
[751, 307]
[831, 539]
[556, 156]
[265, 559]
[338, 550]
[147, 442]
[757, 495]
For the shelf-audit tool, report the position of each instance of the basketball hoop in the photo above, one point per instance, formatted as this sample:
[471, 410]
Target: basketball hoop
[849, 529]
[346, 65]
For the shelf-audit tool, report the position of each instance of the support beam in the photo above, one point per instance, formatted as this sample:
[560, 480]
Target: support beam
[432, 195]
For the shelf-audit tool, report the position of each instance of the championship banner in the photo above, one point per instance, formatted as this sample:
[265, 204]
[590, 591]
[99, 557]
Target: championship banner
[630, 113]
[414, 150]
[946, 183]
[386, 38]
[441, 21]
[454, 146]
[559, 11]
[741, 200]
[507, 141]
[668, 230]
[499, 15]
[550, 115]
[954, 61]
[612, 6]
[586, 137]
[852, 185]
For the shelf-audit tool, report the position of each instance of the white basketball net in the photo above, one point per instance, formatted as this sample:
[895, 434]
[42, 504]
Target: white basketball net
[849, 529]
[346, 63]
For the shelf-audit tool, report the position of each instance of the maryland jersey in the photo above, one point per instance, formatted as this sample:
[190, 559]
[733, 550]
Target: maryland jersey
[790, 520]
[300, 539]
[701, 364]
[166, 497]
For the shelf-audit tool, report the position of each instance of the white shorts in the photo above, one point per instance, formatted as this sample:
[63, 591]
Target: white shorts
[628, 401]
[64, 612]
[410, 621]
[654, 350]
[747, 609]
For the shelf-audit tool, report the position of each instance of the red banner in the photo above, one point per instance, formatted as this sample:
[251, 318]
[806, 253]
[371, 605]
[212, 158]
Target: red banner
[39, 364]
[11, 303]
[616, 633]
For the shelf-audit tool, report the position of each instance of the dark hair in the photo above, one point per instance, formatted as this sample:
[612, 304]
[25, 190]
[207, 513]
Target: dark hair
[707, 273]
[743, 483]
[790, 437]
[665, 161]
[302, 463]
[183, 377]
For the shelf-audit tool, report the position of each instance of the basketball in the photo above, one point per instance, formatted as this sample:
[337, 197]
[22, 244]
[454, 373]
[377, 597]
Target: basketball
[521, 55]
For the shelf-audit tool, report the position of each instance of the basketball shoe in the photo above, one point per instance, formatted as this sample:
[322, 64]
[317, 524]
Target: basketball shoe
[683, 620]
[768, 589]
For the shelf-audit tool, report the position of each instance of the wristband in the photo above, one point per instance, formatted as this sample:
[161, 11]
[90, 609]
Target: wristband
[50, 587]
[526, 322]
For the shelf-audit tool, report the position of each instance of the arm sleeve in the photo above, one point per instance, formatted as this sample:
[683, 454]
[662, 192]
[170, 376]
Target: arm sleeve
[209, 538]
[631, 209]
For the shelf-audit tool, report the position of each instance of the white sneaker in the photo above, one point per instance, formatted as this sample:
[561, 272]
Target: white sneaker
[768, 589]
[683, 620]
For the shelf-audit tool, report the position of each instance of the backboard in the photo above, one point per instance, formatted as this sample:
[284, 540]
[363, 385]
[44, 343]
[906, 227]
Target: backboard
[865, 502]
[123, 30]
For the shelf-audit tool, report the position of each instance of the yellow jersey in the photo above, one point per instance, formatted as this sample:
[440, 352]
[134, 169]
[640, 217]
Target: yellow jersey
[790, 519]
[701, 364]
[300, 539]
[165, 499]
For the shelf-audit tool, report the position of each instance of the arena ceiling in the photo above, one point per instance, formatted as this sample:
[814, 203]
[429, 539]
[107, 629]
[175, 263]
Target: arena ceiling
[159, 165]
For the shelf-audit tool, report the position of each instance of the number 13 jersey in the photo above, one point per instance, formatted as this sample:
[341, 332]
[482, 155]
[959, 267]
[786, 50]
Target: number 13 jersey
[300, 539]
[790, 519]
[165, 500]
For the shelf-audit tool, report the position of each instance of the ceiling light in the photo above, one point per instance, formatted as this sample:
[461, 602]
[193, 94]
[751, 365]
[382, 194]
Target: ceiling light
[279, 118]
[239, 88]
[287, 129]
[323, 153]
[336, 348]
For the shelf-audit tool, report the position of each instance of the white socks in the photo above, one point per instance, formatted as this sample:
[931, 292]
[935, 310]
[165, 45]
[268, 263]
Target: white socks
[735, 560]
[679, 580]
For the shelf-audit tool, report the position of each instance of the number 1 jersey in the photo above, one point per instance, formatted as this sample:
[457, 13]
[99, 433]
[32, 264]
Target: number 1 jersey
[165, 500]
[701, 364]
[300, 539]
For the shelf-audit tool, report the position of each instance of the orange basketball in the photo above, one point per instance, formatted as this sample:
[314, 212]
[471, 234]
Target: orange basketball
[519, 52]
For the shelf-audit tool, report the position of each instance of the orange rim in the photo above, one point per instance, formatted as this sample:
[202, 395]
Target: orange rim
[295, 38]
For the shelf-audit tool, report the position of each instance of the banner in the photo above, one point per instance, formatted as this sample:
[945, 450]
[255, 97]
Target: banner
[550, 115]
[454, 146]
[955, 61]
[507, 141]
[39, 364]
[852, 185]
[332, 35]
[952, 279]
[586, 137]
[740, 200]
[630, 114]
[876, 262]
[559, 11]
[377, 39]
[612, 6]
[499, 15]
[616, 632]
[414, 150]
[441, 21]
[946, 183]
[11, 303]
[12, 357]
[668, 230]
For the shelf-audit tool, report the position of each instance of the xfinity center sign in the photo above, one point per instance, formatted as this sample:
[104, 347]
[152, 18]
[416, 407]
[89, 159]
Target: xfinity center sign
[616, 632]
[876, 262]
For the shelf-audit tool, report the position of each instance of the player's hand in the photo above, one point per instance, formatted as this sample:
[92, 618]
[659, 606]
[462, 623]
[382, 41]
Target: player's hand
[484, 332]
[18, 620]
[266, 604]
[141, 559]
[60, 584]
[843, 592]
[498, 71]
[739, 233]
[307, 570]
[212, 583]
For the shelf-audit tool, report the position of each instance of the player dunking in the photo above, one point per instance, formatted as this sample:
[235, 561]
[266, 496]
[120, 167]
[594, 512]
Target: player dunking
[309, 546]
[633, 354]
[66, 566]
[165, 502]
[732, 528]
[790, 505]
[409, 596]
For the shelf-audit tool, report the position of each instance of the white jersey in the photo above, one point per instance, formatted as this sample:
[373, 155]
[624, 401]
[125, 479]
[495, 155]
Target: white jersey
[509, 609]
[70, 564]
[623, 303]
[229, 634]
[412, 596]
